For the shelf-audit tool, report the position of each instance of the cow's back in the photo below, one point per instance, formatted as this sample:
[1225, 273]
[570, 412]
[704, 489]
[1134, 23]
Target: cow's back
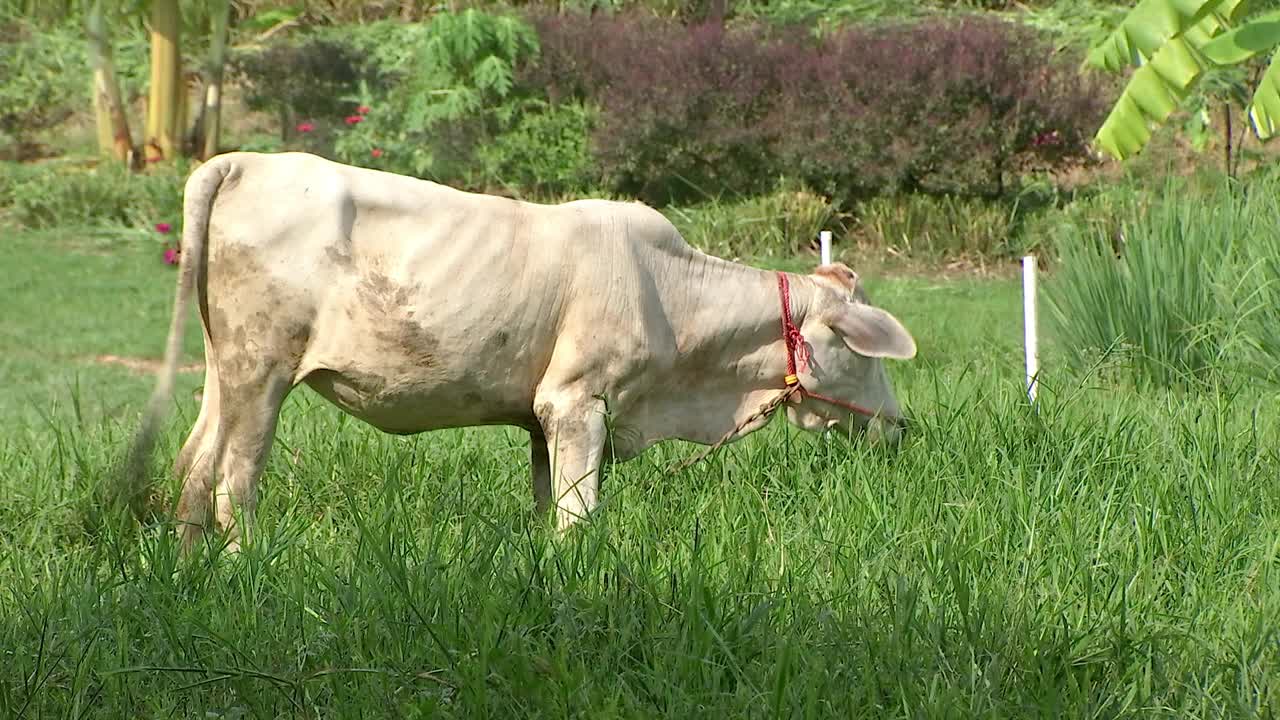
[424, 306]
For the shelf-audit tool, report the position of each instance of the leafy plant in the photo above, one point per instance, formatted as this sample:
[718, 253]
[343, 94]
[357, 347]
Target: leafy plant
[466, 59]
[1175, 44]
[545, 152]
[459, 95]
[689, 122]
[1183, 285]
[1079, 24]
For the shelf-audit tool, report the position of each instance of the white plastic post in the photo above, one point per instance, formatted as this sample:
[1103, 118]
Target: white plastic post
[824, 239]
[1029, 324]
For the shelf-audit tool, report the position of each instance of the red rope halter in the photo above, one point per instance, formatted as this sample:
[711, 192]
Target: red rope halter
[798, 348]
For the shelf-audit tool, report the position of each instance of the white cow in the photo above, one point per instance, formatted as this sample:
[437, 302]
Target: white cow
[414, 306]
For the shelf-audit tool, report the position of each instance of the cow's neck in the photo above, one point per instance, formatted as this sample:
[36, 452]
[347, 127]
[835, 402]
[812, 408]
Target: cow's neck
[732, 354]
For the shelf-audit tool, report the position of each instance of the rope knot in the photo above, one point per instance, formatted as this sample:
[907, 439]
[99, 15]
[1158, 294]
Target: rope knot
[797, 348]
[795, 339]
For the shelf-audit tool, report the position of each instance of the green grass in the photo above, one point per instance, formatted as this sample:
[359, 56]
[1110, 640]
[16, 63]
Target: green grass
[70, 296]
[1115, 554]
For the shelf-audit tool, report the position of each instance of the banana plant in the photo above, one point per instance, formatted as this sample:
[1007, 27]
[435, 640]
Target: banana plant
[114, 138]
[168, 23]
[166, 100]
[210, 123]
[1173, 44]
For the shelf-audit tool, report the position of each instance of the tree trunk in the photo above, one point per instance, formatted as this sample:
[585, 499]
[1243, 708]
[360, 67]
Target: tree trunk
[114, 138]
[211, 114]
[167, 88]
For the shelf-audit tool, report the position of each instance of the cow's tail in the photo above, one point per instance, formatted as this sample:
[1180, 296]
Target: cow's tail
[134, 488]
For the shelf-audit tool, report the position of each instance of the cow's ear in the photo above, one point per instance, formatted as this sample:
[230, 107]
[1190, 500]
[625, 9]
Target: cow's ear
[870, 331]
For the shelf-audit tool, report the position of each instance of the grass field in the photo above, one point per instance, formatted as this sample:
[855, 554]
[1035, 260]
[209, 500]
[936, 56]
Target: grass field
[1115, 554]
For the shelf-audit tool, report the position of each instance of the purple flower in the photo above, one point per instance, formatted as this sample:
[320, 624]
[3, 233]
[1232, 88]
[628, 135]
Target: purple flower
[171, 256]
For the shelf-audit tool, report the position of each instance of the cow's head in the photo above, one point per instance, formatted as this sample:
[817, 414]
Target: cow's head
[848, 341]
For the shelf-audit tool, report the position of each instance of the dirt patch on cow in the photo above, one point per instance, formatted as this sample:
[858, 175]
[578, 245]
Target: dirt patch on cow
[144, 366]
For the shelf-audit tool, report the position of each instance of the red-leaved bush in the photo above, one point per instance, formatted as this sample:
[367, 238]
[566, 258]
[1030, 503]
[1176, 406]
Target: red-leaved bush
[946, 105]
[943, 106]
[683, 109]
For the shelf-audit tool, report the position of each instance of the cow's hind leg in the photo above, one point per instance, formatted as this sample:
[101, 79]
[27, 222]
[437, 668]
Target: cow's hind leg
[574, 426]
[246, 429]
[196, 461]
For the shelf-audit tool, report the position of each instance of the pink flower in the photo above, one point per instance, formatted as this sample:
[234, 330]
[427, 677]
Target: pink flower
[376, 152]
[354, 119]
[171, 256]
[163, 228]
[363, 109]
[306, 127]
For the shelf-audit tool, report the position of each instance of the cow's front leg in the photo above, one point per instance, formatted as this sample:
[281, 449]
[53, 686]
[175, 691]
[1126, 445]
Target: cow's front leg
[574, 428]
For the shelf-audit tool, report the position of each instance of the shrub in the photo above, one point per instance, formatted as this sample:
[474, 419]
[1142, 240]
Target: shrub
[43, 85]
[940, 106]
[1186, 289]
[388, 48]
[306, 83]
[545, 153]
[54, 195]
[950, 105]
[682, 124]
